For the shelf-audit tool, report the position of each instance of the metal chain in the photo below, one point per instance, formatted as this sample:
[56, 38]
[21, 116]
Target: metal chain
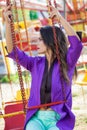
[57, 51]
[16, 57]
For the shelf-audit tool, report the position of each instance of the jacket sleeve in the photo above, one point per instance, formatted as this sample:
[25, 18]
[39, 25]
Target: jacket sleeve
[74, 50]
[23, 59]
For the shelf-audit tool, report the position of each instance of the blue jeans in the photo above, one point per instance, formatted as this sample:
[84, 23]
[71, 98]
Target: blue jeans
[43, 120]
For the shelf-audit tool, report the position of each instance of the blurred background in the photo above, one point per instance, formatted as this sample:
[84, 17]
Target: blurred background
[29, 16]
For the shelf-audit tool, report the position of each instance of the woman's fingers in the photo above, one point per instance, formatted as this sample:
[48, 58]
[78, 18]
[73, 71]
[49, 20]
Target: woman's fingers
[54, 13]
[8, 7]
[7, 14]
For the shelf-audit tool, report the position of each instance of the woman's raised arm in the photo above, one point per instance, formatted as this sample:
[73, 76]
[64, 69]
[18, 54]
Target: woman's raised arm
[7, 14]
[56, 15]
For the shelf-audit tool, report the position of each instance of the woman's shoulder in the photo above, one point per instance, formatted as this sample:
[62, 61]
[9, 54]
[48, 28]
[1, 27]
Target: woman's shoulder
[73, 38]
[40, 58]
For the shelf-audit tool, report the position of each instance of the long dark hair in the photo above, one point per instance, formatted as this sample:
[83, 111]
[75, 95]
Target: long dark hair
[48, 38]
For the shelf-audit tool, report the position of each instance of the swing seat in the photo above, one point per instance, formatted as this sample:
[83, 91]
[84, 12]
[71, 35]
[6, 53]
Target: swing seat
[15, 122]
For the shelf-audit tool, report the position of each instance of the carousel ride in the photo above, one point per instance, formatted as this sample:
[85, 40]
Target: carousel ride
[14, 111]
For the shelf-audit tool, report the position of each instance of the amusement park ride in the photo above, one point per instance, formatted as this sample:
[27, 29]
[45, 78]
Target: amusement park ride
[75, 12]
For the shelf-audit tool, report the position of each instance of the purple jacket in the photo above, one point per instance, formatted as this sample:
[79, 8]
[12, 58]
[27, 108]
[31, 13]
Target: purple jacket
[36, 66]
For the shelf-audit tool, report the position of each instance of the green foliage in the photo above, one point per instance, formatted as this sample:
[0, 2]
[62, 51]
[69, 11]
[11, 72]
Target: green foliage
[76, 108]
[85, 120]
[15, 78]
[6, 79]
[20, 15]
[75, 95]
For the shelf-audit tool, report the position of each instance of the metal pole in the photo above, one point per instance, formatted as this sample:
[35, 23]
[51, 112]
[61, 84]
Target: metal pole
[64, 3]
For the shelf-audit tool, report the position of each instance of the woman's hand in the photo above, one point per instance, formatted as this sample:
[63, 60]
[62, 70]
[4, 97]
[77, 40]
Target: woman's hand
[7, 14]
[54, 14]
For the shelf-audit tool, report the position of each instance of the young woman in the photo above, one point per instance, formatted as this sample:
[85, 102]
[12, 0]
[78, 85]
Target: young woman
[51, 77]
